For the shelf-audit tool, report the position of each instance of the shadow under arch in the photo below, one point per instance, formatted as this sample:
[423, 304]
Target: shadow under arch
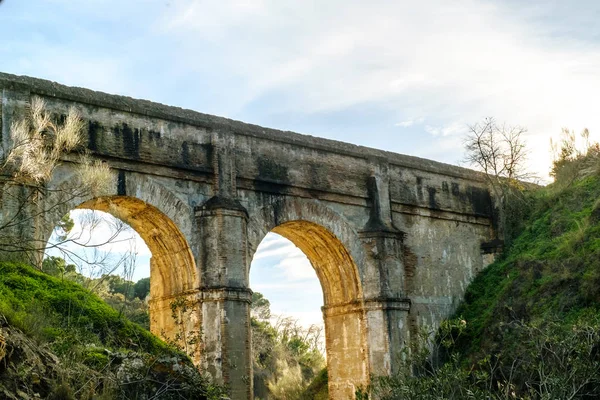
[173, 272]
[332, 247]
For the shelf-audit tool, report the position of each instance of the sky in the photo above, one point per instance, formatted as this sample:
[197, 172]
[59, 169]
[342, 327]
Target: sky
[101, 244]
[404, 76]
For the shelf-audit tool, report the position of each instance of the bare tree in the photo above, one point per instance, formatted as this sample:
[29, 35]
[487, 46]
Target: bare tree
[499, 151]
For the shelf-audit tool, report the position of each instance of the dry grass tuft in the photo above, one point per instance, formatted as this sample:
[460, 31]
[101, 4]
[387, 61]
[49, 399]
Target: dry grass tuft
[95, 176]
[38, 143]
[289, 383]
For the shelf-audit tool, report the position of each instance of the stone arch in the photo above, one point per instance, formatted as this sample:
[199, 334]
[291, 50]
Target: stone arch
[290, 216]
[145, 188]
[333, 248]
[158, 216]
[172, 265]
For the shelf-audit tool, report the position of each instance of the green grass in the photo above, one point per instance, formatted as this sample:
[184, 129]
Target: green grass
[550, 273]
[89, 350]
[63, 313]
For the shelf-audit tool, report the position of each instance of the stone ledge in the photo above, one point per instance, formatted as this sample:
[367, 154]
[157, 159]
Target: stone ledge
[402, 304]
[221, 205]
[382, 232]
[219, 294]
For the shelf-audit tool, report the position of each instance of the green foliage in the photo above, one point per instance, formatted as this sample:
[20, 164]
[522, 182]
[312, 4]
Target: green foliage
[553, 360]
[86, 349]
[517, 206]
[134, 309]
[58, 267]
[317, 390]
[141, 289]
[573, 160]
[120, 285]
[187, 337]
[72, 310]
[550, 270]
[64, 227]
[127, 297]
[286, 355]
[260, 307]
[96, 357]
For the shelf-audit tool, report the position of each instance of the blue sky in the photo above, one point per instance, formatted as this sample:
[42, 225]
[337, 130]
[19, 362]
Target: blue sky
[405, 76]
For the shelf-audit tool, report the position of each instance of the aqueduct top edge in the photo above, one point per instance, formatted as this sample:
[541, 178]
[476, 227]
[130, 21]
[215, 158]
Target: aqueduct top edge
[176, 114]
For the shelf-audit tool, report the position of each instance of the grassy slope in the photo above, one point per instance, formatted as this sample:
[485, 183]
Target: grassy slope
[64, 342]
[551, 272]
[53, 309]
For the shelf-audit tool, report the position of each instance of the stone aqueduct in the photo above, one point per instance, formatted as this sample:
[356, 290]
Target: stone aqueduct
[393, 239]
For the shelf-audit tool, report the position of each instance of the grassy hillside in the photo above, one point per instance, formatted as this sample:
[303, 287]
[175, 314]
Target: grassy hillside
[551, 273]
[58, 340]
[529, 325]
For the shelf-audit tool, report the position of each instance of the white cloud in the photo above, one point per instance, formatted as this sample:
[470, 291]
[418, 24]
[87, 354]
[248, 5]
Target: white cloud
[453, 63]
[410, 122]
[450, 63]
[296, 267]
[274, 251]
[448, 130]
[274, 245]
[283, 255]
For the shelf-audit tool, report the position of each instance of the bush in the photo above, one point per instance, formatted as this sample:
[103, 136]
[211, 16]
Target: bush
[286, 355]
[545, 361]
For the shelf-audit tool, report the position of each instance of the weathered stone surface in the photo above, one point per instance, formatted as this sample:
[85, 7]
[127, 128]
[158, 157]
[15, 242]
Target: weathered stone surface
[394, 239]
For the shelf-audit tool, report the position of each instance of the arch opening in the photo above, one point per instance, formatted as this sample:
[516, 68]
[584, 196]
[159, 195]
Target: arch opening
[99, 244]
[343, 316]
[172, 266]
[328, 256]
[173, 274]
[288, 336]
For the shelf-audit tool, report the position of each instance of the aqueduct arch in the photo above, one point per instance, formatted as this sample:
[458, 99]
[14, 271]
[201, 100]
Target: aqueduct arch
[173, 272]
[172, 264]
[395, 239]
[310, 225]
